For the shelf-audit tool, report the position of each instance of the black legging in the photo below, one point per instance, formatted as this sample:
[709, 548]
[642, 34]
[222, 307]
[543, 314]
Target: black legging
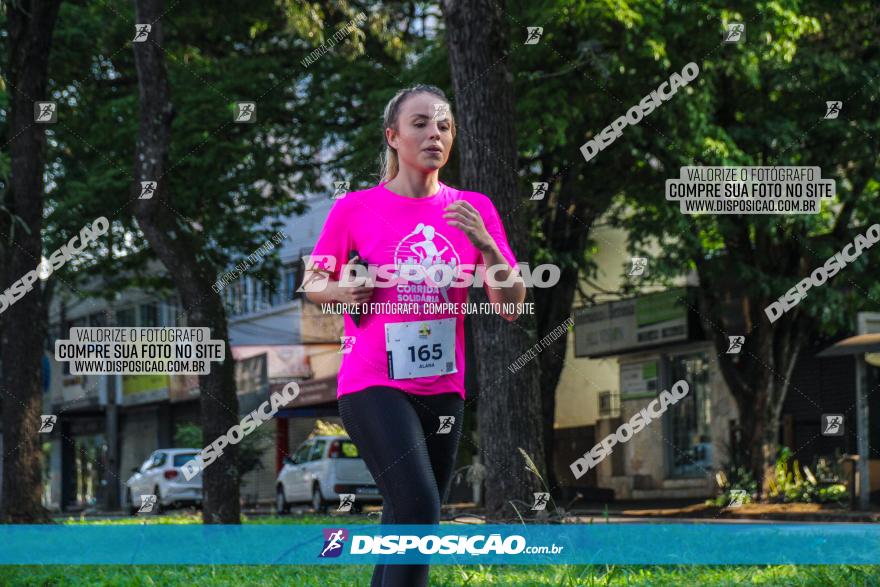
[396, 434]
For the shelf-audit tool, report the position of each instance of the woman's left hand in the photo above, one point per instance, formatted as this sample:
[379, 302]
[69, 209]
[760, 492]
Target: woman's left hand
[465, 217]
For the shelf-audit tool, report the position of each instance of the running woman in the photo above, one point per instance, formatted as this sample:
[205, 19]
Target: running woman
[401, 386]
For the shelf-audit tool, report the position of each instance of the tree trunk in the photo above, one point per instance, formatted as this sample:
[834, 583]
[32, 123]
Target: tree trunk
[509, 414]
[758, 377]
[23, 331]
[566, 237]
[182, 255]
[553, 307]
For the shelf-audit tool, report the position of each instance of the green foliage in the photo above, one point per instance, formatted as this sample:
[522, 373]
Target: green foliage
[188, 436]
[790, 484]
[759, 102]
[250, 450]
[733, 479]
[324, 428]
[253, 447]
[472, 575]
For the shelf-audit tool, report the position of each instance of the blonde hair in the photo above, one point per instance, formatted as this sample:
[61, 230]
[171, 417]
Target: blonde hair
[389, 164]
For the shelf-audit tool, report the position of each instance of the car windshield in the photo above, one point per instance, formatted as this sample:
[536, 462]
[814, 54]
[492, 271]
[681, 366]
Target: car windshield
[183, 458]
[349, 450]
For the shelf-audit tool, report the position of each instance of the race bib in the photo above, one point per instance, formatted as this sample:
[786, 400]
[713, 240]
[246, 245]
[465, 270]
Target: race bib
[421, 348]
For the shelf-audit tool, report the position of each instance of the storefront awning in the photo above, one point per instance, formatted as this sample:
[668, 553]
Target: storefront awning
[283, 360]
[311, 391]
[854, 345]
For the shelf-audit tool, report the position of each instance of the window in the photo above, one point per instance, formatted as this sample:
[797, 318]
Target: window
[65, 334]
[609, 404]
[236, 298]
[288, 283]
[154, 460]
[349, 450]
[301, 455]
[149, 315]
[98, 319]
[258, 295]
[126, 317]
[318, 450]
[172, 314]
[248, 296]
[263, 295]
[690, 453]
[183, 458]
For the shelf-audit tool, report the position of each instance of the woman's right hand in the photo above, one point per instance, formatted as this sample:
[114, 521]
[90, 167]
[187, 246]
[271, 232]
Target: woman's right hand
[355, 295]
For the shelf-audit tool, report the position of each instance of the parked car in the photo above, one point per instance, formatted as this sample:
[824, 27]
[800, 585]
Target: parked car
[319, 470]
[162, 475]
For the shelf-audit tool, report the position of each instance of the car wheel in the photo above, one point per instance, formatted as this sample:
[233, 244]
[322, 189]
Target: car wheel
[158, 509]
[318, 501]
[281, 505]
[132, 508]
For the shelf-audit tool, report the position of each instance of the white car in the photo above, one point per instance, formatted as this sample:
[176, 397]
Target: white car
[162, 475]
[322, 468]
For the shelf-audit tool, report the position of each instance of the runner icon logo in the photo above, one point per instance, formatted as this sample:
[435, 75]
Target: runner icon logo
[347, 344]
[45, 112]
[320, 267]
[47, 422]
[340, 188]
[147, 503]
[534, 35]
[446, 424]
[440, 110]
[148, 188]
[346, 500]
[735, 32]
[737, 498]
[832, 424]
[539, 190]
[334, 540]
[141, 32]
[736, 343]
[639, 264]
[541, 500]
[245, 112]
[832, 109]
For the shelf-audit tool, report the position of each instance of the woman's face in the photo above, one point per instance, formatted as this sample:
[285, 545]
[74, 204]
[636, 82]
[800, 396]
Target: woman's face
[419, 131]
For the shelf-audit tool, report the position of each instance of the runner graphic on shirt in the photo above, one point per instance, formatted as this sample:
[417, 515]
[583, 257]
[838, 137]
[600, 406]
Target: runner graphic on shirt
[429, 249]
[422, 246]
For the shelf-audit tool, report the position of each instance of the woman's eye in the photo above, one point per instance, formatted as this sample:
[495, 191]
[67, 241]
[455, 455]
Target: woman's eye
[444, 128]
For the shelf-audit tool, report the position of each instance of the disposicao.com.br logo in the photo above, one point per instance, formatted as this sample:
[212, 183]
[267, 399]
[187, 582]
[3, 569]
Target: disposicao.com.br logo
[453, 544]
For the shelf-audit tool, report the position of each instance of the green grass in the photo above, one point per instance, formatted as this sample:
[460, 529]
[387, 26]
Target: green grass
[452, 575]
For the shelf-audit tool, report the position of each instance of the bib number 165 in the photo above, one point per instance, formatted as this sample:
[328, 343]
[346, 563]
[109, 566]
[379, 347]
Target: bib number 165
[424, 354]
[420, 348]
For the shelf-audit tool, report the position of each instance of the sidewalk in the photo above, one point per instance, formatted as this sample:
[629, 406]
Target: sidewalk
[687, 510]
[619, 512]
[783, 512]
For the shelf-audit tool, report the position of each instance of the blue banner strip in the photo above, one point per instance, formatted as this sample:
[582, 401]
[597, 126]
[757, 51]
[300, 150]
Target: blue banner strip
[624, 543]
